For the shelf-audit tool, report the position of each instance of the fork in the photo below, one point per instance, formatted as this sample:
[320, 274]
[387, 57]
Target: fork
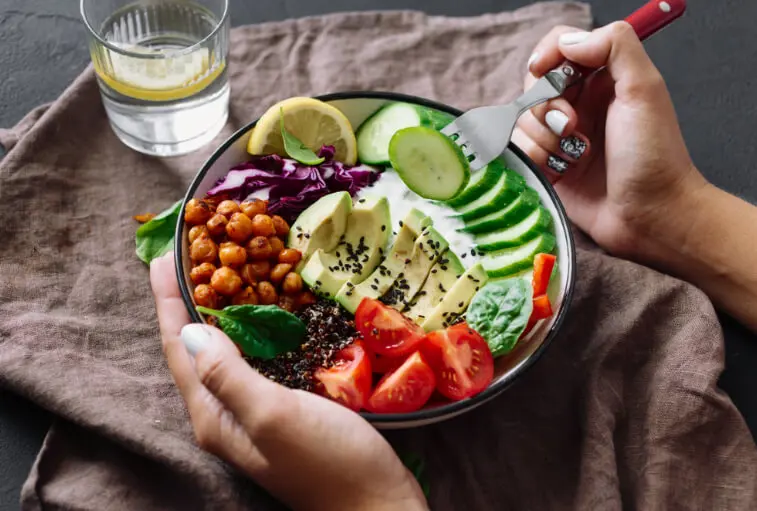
[483, 133]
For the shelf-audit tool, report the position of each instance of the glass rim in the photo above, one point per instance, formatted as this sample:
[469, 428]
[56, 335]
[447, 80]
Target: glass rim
[164, 54]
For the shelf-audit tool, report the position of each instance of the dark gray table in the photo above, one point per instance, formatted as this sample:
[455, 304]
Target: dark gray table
[708, 60]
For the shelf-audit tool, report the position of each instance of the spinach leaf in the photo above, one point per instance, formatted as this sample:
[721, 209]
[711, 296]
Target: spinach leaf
[500, 313]
[262, 331]
[296, 149]
[155, 238]
[415, 464]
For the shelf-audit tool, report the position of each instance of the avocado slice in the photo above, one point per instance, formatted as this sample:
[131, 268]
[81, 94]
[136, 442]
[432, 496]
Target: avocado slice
[457, 299]
[506, 263]
[358, 251]
[535, 224]
[441, 278]
[320, 226]
[518, 210]
[382, 278]
[428, 248]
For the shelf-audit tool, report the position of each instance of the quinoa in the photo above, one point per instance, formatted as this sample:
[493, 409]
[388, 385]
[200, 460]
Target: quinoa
[328, 331]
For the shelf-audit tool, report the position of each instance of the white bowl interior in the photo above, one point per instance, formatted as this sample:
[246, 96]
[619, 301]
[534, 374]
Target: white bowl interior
[358, 110]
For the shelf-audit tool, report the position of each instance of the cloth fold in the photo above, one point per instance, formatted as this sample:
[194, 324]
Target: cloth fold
[621, 412]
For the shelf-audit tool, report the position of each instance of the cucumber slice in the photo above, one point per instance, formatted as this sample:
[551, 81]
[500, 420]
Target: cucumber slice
[480, 182]
[429, 163]
[506, 263]
[374, 134]
[535, 224]
[519, 209]
[507, 189]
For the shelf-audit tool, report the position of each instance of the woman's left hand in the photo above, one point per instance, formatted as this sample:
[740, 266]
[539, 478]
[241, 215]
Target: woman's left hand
[307, 451]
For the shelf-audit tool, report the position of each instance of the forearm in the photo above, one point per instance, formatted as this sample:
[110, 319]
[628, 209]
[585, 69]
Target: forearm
[713, 246]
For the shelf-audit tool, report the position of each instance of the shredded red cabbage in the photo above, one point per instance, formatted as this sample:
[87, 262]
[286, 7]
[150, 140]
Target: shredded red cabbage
[293, 186]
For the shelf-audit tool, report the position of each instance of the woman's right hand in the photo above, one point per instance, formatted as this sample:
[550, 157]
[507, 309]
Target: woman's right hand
[635, 180]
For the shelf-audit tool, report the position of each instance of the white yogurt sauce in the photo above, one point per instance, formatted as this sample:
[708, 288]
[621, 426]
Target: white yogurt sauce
[402, 200]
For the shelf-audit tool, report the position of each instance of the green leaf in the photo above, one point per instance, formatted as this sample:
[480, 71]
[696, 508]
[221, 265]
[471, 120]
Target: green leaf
[417, 467]
[261, 331]
[296, 149]
[155, 237]
[500, 313]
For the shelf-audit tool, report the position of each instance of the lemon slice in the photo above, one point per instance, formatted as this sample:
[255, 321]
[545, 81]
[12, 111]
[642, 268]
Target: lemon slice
[164, 79]
[313, 122]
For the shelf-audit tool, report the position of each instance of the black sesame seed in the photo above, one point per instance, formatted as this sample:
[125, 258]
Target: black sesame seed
[444, 268]
[307, 235]
[361, 201]
[374, 287]
[465, 254]
[473, 252]
[318, 282]
[383, 228]
[401, 224]
[461, 304]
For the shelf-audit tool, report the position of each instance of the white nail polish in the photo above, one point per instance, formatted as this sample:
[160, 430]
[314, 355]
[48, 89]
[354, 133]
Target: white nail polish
[533, 58]
[195, 338]
[556, 120]
[574, 38]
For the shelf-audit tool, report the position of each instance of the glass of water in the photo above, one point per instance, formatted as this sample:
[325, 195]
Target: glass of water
[161, 68]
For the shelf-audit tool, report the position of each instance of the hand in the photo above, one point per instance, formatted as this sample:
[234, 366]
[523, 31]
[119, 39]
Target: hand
[614, 144]
[307, 451]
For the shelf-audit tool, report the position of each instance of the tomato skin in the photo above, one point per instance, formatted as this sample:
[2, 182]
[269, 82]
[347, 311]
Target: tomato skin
[349, 381]
[462, 361]
[385, 330]
[405, 390]
[382, 364]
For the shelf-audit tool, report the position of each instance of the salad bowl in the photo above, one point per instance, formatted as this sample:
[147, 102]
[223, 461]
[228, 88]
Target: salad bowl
[357, 107]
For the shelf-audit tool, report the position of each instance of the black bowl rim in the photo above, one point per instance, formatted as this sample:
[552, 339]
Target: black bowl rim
[430, 414]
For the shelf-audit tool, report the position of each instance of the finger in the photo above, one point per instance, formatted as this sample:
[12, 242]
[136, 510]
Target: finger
[617, 47]
[546, 55]
[539, 133]
[538, 155]
[575, 148]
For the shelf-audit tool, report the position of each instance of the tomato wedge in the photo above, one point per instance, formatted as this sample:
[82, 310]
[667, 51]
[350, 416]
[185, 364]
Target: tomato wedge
[349, 380]
[543, 266]
[385, 330]
[461, 360]
[404, 390]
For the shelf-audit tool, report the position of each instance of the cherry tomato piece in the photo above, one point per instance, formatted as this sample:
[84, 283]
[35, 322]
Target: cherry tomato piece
[461, 360]
[404, 390]
[385, 330]
[348, 382]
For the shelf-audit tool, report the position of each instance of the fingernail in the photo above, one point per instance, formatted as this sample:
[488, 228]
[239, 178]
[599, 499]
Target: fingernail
[556, 120]
[533, 58]
[557, 164]
[573, 147]
[574, 38]
[195, 338]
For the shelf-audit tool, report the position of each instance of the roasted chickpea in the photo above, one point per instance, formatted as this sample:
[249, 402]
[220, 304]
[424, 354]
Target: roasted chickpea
[227, 208]
[206, 296]
[288, 303]
[217, 224]
[259, 248]
[239, 228]
[262, 225]
[281, 225]
[276, 246]
[290, 256]
[248, 275]
[246, 296]
[267, 293]
[201, 274]
[203, 250]
[292, 283]
[279, 272]
[197, 212]
[254, 207]
[197, 231]
[231, 254]
[260, 270]
[305, 298]
[226, 281]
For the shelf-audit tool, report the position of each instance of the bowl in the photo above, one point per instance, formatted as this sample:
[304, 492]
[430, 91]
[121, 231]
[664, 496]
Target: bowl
[357, 107]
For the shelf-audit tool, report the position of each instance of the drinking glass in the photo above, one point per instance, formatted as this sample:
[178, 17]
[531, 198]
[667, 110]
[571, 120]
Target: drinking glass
[161, 68]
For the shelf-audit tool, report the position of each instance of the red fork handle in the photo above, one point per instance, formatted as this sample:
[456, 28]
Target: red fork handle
[655, 15]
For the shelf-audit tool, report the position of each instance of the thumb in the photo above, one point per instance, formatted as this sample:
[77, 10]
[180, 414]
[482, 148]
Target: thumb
[618, 48]
[256, 402]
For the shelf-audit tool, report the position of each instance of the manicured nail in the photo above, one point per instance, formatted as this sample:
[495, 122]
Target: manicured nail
[195, 338]
[574, 38]
[533, 58]
[556, 120]
[573, 147]
[557, 164]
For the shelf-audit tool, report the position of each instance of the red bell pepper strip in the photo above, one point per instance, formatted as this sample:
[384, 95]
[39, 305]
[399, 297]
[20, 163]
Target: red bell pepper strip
[542, 308]
[543, 266]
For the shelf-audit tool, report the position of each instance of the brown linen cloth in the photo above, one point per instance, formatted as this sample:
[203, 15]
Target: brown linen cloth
[622, 412]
